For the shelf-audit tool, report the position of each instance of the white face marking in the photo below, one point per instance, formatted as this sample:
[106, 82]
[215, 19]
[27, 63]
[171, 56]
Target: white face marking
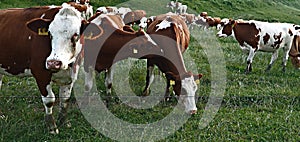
[163, 25]
[143, 22]
[65, 25]
[189, 86]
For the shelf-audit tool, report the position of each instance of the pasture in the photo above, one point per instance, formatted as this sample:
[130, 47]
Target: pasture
[260, 106]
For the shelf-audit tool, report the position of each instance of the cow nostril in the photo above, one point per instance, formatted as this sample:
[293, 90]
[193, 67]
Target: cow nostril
[54, 64]
[193, 111]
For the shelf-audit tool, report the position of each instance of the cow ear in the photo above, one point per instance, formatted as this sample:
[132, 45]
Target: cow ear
[197, 78]
[172, 76]
[128, 29]
[90, 31]
[39, 26]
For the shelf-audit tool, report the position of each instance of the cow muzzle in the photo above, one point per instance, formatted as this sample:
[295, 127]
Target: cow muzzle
[54, 65]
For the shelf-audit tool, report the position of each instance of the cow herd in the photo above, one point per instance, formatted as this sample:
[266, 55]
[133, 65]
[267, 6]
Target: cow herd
[50, 43]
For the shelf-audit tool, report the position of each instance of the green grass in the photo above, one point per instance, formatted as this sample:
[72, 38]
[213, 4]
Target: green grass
[256, 107]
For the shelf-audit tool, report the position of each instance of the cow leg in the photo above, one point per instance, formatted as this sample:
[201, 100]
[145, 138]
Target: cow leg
[1, 76]
[167, 93]
[64, 97]
[88, 85]
[149, 79]
[48, 102]
[274, 57]
[285, 56]
[108, 80]
[249, 60]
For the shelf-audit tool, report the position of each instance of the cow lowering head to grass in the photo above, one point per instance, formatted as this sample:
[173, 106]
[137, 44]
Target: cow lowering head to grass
[171, 33]
[295, 52]
[256, 36]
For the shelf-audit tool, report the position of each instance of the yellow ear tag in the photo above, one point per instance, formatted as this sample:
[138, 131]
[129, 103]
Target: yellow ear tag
[42, 31]
[172, 82]
[197, 81]
[89, 36]
[135, 51]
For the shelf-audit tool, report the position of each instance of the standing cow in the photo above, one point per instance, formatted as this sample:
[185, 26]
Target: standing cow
[170, 32]
[51, 51]
[102, 52]
[256, 36]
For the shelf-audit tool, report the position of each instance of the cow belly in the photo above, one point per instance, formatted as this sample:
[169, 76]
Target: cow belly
[15, 72]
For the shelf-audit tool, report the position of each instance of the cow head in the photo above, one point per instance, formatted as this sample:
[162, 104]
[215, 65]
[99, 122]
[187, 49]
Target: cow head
[227, 29]
[186, 87]
[65, 35]
[144, 40]
[295, 52]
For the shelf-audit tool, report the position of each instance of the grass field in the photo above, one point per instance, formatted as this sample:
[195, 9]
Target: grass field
[256, 107]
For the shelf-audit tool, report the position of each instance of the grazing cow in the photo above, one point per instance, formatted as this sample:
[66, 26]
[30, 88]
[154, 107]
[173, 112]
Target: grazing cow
[123, 10]
[189, 19]
[207, 21]
[84, 7]
[181, 9]
[256, 36]
[61, 59]
[171, 5]
[171, 34]
[295, 52]
[106, 51]
[107, 9]
[134, 17]
[145, 22]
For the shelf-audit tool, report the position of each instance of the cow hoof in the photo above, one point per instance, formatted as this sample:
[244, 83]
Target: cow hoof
[68, 124]
[146, 93]
[54, 132]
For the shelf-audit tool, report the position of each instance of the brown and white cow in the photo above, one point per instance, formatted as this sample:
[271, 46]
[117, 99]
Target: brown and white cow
[59, 58]
[24, 53]
[170, 32]
[102, 52]
[256, 36]
[134, 17]
[84, 7]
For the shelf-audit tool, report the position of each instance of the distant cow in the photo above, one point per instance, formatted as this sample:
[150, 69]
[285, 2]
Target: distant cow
[171, 34]
[134, 17]
[145, 22]
[189, 19]
[84, 7]
[256, 36]
[207, 22]
[181, 9]
[117, 42]
[122, 11]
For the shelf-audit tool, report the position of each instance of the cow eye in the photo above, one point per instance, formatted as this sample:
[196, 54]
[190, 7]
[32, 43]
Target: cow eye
[74, 39]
